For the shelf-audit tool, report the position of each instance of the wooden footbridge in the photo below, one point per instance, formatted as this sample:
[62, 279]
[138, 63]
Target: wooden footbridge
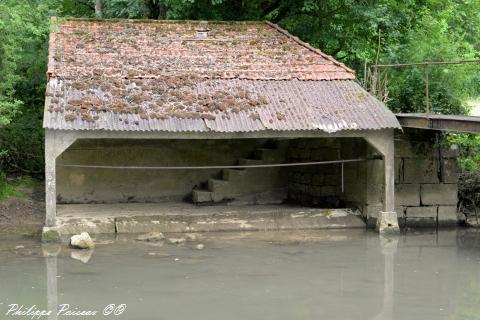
[426, 120]
[440, 122]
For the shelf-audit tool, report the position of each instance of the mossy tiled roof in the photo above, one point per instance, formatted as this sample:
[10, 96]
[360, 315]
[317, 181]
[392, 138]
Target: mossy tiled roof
[198, 76]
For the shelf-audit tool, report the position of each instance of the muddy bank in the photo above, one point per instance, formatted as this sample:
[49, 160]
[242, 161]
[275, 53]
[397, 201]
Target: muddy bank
[23, 215]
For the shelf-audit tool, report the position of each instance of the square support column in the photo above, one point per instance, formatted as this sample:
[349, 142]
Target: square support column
[382, 141]
[55, 144]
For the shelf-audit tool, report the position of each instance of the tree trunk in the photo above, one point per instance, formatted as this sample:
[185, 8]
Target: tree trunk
[98, 8]
[162, 10]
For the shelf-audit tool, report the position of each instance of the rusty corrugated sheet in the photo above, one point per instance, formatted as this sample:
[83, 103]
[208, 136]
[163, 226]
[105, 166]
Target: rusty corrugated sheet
[328, 106]
[126, 75]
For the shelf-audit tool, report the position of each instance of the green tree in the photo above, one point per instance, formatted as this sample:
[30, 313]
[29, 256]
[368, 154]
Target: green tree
[24, 27]
[350, 30]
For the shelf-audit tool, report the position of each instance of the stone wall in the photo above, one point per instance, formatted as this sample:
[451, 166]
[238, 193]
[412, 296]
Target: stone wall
[321, 185]
[426, 179]
[425, 174]
[97, 185]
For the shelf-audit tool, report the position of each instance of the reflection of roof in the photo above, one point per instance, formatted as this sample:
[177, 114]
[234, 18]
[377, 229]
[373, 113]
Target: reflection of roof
[167, 76]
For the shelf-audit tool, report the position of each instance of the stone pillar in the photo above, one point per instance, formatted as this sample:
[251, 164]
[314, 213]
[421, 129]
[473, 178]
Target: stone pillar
[383, 142]
[55, 143]
[50, 180]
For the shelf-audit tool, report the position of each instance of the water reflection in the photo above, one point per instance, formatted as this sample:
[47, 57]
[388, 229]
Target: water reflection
[332, 275]
[388, 247]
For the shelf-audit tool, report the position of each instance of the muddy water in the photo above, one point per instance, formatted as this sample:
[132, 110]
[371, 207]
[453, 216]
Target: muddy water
[314, 275]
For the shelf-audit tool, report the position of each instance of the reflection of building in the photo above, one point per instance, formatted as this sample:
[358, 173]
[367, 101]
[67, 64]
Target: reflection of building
[388, 248]
[50, 253]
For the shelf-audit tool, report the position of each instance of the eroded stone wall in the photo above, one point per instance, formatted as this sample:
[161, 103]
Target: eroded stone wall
[426, 178]
[98, 185]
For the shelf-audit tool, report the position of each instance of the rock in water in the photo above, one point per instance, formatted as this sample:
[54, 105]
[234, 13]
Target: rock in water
[176, 240]
[82, 241]
[200, 246]
[50, 235]
[151, 237]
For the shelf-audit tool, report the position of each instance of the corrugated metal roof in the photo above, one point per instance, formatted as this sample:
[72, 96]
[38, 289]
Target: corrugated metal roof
[128, 75]
[329, 106]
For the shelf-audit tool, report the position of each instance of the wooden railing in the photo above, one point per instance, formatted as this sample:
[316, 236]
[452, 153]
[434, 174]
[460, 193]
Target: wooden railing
[379, 81]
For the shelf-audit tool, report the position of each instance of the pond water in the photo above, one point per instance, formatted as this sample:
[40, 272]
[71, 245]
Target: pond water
[350, 274]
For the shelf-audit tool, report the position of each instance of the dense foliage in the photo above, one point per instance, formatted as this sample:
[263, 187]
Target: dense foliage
[358, 33]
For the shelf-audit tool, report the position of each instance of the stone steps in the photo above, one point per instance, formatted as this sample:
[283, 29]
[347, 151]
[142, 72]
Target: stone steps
[235, 182]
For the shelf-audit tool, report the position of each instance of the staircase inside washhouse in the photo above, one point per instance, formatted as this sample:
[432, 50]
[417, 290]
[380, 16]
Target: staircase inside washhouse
[243, 186]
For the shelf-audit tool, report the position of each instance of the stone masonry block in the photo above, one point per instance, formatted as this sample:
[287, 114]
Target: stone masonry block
[412, 149]
[421, 212]
[329, 190]
[420, 170]
[375, 193]
[332, 179]
[317, 191]
[447, 215]
[450, 170]
[407, 194]
[440, 194]
[403, 148]
[398, 170]
[201, 196]
[318, 179]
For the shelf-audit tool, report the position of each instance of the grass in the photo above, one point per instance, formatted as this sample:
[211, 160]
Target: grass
[17, 187]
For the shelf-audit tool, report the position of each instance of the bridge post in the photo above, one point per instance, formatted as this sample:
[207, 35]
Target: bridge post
[382, 141]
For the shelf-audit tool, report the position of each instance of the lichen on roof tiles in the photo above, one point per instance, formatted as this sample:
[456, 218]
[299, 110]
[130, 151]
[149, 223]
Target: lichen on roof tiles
[151, 50]
[163, 75]
[171, 96]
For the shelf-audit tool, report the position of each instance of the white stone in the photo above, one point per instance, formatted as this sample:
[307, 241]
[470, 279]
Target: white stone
[200, 246]
[82, 241]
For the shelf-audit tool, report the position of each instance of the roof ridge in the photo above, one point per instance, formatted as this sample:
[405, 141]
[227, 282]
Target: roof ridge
[308, 46]
[179, 21]
[51, 48]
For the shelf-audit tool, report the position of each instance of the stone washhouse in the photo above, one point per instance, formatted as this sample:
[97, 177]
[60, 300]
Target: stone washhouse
[156, 116]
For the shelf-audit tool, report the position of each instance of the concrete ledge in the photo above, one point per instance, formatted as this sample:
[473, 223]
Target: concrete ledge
[245, 218]
[93, 225]
[328, 219]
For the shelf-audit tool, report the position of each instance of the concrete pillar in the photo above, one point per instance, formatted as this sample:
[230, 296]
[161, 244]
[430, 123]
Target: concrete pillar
[382, 141]
[55, 143]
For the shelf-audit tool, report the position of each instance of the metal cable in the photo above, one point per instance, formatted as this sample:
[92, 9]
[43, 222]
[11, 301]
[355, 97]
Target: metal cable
[215, 167]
